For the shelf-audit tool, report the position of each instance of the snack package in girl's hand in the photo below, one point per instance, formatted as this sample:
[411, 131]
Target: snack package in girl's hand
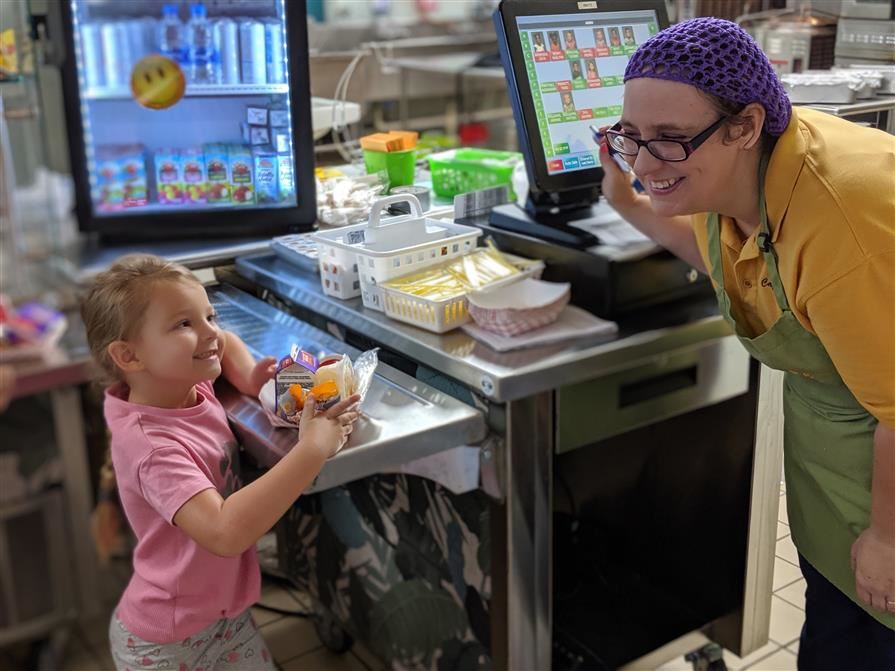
[328, 379]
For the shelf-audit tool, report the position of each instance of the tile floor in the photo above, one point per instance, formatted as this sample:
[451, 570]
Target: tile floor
[295, 645]
[293, 642]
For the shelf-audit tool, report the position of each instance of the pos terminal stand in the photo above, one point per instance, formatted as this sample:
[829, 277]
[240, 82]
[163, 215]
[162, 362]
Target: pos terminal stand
[564, 63]
[547, 215]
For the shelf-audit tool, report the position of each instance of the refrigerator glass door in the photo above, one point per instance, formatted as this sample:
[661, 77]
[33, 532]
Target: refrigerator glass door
[185, 107]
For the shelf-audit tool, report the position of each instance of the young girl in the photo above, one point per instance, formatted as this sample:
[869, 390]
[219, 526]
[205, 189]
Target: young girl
[152, 331]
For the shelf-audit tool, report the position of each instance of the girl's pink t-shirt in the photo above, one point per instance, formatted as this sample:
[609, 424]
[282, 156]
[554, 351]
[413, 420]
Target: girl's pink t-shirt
[162, 458]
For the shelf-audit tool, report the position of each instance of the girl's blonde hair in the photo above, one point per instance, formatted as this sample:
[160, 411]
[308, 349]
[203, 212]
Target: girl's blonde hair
[117, 300]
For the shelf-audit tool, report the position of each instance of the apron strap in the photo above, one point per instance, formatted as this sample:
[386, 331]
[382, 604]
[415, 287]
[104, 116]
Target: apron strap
[763, 239]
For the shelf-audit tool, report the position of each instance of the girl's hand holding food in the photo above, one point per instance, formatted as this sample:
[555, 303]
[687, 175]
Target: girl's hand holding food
[328, 431]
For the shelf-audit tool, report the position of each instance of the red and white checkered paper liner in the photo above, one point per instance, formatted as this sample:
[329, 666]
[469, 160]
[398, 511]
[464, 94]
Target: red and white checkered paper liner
[509, 322]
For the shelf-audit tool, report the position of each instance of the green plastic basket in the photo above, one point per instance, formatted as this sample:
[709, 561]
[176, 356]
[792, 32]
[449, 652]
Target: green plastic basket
[459, 171]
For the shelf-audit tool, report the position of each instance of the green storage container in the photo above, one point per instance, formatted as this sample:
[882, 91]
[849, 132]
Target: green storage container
[400, 165]
[459, 171]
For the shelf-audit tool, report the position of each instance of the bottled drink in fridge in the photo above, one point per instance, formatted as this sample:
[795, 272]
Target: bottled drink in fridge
[200, 49]
[273, 43]
[252, 52]
[226, 45]
[141, 36]
[92, 50]
[116, 55]
[170, 34]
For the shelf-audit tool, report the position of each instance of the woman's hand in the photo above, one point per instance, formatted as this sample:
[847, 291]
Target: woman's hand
[616, 184]
[873, 561]
[329, 430]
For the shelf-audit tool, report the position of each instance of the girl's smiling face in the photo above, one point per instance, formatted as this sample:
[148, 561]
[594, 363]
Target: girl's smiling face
[179, 341]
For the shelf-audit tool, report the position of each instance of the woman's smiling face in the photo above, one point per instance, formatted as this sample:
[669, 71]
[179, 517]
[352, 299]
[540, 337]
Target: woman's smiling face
[660, 109]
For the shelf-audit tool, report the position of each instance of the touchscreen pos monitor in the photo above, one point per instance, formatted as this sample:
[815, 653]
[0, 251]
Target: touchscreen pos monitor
[565, 63]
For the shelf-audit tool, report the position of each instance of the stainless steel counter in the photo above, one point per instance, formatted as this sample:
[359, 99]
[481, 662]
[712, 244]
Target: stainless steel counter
[548, 404]
[398, 410]
[497, 376]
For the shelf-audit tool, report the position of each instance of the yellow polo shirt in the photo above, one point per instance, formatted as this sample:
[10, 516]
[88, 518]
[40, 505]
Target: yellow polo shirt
[830, 193]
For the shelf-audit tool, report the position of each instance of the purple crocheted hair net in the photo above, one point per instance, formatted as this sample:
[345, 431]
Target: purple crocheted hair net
[717, 57]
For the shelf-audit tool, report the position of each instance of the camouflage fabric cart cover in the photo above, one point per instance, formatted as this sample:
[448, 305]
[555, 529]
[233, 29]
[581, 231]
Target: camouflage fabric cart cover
[402, 563]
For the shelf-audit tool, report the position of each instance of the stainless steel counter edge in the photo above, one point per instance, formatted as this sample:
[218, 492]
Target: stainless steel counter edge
[404, 419]
[499, 376]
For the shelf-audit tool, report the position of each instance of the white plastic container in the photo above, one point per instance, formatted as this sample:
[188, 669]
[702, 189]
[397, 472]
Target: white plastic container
[824, 87]
[359, 258]
[445, 314]
[886, 73]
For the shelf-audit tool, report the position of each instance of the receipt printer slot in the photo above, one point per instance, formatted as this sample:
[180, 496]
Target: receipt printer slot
[653, 387]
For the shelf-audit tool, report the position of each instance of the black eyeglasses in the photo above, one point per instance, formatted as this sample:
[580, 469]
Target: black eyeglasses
[664, 150]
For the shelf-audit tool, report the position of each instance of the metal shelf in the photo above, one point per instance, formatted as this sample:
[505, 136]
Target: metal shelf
[156, 208]
[194, 91]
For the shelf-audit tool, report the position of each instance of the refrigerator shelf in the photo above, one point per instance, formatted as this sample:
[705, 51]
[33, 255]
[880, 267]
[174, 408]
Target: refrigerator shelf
[158, 208]
[194, 91]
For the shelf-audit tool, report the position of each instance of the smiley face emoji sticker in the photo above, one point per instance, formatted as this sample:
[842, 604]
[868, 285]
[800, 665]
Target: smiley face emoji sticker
[157, 82]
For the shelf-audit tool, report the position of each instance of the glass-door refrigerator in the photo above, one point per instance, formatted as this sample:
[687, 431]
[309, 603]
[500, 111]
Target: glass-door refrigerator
[188, 119]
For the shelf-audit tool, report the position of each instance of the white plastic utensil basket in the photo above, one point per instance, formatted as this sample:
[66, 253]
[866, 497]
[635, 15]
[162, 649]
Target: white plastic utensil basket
[338, 271]
[355, 260]
[445, 314]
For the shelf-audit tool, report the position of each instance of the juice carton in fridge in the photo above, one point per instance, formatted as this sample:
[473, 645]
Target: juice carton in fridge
[109, 193]
[285, 179]
[266, 176]
[196, 187]
[168, 177]
[132, 172]
[217, 173]
[242, 179]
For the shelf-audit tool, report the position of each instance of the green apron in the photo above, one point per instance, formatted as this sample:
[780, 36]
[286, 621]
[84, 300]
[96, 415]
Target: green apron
[828, 435]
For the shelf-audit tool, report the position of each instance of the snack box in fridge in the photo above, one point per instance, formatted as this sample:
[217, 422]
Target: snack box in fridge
[256, 116]
[285, 179]
[266, 175]
[280, 141]
[192, 161]
[242, 175]
[217, 173]
[279, 118]
[121, 177]
[255, 135]
[168, 177]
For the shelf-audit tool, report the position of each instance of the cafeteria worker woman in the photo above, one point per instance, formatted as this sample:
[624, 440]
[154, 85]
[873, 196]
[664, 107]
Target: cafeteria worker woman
[791, 212]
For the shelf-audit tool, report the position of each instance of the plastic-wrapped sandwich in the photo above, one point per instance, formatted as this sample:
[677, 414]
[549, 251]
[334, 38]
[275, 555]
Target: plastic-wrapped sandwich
[328, 379]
